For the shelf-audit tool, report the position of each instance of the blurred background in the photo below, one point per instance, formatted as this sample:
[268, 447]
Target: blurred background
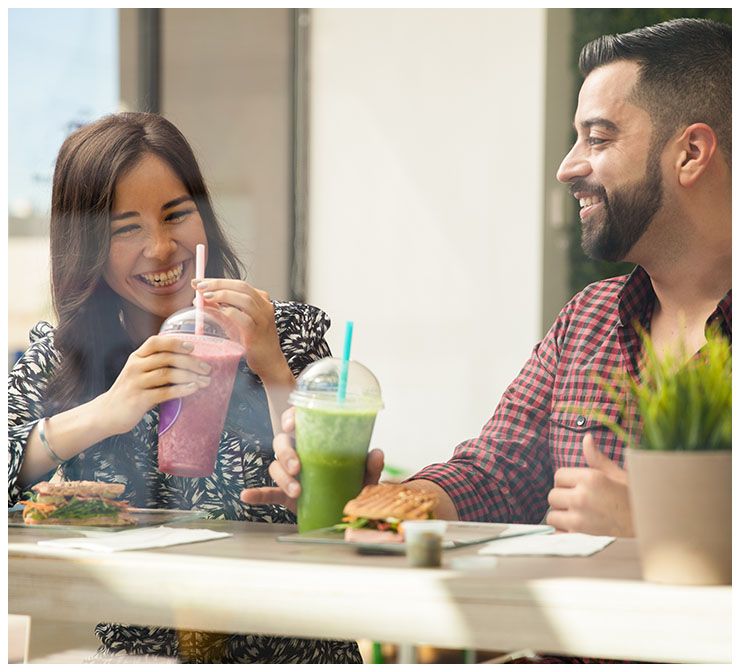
[394, 167]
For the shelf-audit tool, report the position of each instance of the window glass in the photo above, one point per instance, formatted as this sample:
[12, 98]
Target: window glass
[62, 72]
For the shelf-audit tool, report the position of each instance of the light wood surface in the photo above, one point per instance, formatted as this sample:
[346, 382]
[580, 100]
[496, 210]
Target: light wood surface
[250, 582]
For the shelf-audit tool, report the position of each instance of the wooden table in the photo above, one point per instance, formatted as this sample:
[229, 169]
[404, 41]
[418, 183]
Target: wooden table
[595, 606]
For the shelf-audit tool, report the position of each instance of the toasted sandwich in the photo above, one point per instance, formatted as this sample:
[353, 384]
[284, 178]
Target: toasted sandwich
[376, 515]
[76, 503]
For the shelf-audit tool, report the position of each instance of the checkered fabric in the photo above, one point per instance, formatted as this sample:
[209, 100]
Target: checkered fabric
[506, 473]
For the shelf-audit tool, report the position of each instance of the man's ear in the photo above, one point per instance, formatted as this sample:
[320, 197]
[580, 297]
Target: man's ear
[697, 145]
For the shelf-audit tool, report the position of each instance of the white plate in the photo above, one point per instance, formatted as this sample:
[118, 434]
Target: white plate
[142, 517]
[457, 535]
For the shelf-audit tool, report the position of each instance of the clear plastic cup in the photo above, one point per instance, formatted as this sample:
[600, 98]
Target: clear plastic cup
[423, 539]
[332, 438]
[190, 427]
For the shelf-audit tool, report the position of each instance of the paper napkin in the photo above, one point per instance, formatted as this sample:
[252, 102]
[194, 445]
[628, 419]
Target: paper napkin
[567, 543]
[134, 540]
[517, 529]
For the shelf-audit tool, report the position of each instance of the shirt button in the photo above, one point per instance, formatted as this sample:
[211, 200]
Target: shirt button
[243, 407]
[81, 456]
[580, 421]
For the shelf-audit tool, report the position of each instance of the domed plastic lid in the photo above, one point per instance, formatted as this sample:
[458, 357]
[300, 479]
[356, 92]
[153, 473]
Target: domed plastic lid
[214, 324]
[317, 386]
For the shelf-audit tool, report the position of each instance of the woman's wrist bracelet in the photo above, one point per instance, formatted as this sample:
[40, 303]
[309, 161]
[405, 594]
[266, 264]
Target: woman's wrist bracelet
[45, 442]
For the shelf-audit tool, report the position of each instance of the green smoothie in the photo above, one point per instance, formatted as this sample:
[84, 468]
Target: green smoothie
[332, 444]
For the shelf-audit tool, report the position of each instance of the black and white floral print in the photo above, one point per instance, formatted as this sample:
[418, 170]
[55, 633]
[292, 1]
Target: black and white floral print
[244, 454]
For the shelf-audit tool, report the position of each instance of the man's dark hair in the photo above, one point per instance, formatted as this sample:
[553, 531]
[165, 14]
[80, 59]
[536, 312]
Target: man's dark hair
[685, 74]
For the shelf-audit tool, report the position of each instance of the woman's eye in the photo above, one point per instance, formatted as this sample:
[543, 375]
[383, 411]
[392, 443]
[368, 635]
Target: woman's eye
[178, 216]
[125, 229]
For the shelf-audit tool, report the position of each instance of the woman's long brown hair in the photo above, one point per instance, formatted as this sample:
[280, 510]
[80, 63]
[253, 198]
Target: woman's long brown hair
[90, 337]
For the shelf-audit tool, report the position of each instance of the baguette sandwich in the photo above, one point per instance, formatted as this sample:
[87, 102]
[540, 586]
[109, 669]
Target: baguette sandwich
[376, 515]
[76, 503]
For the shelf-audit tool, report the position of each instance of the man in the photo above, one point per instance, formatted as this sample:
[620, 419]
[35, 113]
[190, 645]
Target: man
[651, 169]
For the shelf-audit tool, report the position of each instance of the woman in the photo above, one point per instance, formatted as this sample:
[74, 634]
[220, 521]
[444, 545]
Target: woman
[129, 206]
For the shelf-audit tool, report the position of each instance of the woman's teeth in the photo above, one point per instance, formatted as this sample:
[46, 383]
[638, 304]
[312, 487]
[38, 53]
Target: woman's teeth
[165, 278]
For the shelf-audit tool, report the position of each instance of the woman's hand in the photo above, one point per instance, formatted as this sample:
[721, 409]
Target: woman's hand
[253, 314]
[161, 369]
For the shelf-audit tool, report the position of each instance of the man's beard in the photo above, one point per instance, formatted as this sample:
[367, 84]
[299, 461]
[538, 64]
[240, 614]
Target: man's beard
[627, 213]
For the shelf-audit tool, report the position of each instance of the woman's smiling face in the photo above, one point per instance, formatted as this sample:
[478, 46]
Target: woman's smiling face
[155, 226]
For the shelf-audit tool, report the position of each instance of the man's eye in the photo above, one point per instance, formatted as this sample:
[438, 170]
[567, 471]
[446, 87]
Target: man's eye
[595, 141]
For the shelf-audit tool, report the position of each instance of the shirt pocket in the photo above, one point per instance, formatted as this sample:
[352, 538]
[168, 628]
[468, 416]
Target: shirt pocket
[569, 423]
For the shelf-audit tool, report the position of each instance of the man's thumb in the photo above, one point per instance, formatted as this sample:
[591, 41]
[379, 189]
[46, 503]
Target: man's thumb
[597, 460]
[374, 466]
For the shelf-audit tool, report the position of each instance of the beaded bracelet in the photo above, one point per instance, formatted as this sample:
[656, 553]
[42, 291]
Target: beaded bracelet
[45, 442]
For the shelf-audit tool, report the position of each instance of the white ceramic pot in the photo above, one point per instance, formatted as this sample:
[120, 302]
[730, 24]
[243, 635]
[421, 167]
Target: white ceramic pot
[682, 513]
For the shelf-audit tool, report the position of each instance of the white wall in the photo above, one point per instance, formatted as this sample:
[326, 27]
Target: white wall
[29, 291]
[426, 208]
[226, 84]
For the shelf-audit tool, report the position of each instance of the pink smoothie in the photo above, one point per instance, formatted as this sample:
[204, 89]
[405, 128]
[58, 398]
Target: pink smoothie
[190, 427]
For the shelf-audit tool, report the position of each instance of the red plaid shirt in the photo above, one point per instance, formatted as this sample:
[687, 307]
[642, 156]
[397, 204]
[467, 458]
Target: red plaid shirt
[506, 473]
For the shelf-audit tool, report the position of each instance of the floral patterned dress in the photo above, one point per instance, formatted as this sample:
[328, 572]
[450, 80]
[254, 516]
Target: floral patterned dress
[244, 454]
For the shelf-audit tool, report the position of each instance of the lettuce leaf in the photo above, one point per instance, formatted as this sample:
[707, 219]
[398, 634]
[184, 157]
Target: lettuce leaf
[85, 508]
[355, 524]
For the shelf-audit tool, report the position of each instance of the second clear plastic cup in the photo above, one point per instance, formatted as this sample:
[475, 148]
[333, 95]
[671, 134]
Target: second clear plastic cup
[332, 438]
[190, 427]
[424, 542]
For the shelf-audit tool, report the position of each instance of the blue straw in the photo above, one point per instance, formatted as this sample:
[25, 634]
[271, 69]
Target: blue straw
[342, 389]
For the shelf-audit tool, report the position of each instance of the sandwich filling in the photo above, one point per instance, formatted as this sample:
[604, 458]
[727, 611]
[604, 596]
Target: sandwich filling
[76, 502]
[381, 509]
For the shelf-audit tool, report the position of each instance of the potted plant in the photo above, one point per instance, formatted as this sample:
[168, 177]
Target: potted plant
[679, 461]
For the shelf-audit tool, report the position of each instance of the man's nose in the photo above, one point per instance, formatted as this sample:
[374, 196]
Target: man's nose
[573, 166]
[160, 244]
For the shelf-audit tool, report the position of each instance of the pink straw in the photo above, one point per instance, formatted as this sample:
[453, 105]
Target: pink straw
[200, 269]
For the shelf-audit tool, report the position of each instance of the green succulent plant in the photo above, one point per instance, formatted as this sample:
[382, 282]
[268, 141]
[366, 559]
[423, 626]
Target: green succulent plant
[682, 405]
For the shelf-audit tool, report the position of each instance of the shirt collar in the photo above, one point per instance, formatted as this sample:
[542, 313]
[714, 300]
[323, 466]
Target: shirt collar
[724, 311]
[637, 298]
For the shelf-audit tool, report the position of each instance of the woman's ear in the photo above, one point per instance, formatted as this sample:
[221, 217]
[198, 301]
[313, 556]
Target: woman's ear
[697, 145]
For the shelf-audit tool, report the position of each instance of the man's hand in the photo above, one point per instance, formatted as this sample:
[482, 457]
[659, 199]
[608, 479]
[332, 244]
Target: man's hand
[286, 467]
[591, 499]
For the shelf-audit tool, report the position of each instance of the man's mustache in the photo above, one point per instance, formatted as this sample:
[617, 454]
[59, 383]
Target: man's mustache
[589, 187]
